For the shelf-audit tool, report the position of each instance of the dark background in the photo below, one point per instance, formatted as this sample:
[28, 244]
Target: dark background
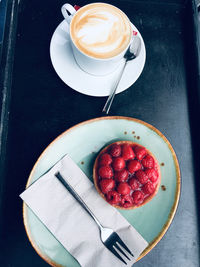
[37, 106]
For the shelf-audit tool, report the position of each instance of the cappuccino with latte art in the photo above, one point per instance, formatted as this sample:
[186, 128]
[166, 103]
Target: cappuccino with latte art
[100, 30]
[100, 35]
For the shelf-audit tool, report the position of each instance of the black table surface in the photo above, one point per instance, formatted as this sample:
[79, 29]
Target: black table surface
[42, 107]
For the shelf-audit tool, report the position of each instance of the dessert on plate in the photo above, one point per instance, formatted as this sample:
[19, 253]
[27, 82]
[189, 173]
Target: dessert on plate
[126, 174]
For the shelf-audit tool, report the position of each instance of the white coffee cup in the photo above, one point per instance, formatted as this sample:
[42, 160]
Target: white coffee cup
[93, 64]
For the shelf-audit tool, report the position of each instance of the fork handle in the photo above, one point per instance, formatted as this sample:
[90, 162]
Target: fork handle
[77, 197]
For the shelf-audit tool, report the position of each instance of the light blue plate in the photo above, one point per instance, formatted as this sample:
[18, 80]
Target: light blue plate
[83, 142]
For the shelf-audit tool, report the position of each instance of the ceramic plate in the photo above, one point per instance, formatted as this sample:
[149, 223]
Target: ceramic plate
[68, 70]
[83, 142]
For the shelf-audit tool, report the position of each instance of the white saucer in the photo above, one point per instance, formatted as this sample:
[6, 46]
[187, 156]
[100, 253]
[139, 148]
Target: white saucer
[68, 70]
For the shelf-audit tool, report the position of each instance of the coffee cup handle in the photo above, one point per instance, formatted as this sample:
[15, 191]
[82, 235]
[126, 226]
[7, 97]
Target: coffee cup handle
[68, 12]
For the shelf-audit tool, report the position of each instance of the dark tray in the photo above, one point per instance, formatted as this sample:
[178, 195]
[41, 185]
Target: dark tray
[36, 106]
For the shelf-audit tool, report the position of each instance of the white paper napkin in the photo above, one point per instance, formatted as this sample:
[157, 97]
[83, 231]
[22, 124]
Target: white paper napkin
[71, 224]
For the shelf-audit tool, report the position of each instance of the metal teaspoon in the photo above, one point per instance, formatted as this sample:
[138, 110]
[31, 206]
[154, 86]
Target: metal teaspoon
[130, 54]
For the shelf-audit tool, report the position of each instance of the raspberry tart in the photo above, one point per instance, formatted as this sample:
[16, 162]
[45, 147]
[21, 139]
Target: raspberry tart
[126, 174]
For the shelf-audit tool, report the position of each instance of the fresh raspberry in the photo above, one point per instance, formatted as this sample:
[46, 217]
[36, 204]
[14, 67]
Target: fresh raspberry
[121, 176]
[107, 185]
[133, 166]
[141, 176]
[134, 184]
[118, 164]
[148, 188]
[123, 188]
[105, 172]
[127, 152]
[148, 162]
[140, 152]
[126, 201]
[105, 159]
[152, 174]
[76, 7]
[113, 197]
[115, 150]
[138, 197]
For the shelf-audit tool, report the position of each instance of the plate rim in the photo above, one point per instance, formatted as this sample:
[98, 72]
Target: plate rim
[173, 210]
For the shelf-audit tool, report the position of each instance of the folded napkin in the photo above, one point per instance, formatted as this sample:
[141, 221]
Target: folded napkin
[71, 224]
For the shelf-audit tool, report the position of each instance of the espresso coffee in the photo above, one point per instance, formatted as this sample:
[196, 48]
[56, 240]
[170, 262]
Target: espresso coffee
[100, 30]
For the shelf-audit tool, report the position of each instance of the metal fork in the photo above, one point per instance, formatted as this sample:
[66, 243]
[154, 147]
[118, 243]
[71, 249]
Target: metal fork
[108, 237]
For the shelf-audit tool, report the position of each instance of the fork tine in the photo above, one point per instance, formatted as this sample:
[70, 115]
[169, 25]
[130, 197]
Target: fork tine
[118, 247]
[123, 245]
[112, 249]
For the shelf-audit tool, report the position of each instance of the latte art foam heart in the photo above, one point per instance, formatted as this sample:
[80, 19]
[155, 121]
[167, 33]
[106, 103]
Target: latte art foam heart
[100, 30]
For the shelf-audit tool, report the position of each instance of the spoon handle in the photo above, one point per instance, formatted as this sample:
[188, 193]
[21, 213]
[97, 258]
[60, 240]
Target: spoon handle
[109, 101]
